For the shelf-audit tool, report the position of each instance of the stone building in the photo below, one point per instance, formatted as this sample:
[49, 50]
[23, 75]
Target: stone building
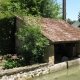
[64, 39]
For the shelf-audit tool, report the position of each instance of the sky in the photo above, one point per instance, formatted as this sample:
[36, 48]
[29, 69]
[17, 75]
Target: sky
[72, 8]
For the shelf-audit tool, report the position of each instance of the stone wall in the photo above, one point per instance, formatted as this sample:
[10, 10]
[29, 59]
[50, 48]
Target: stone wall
[31, 71]
[19, 24]
[73, 62]
[49, 54]
[23, 73]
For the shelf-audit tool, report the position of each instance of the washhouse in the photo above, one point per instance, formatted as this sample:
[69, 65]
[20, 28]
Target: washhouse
[64, 39]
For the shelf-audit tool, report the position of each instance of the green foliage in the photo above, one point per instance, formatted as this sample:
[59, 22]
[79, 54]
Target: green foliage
[79, 26]
[70, 21]
[11, 64]
[44, 8]
[50, 8]
[34, 41]
[79, 16]
[10, 7]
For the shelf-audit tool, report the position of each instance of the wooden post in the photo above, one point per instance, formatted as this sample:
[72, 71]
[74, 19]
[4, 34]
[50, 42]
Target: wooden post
[64, 10]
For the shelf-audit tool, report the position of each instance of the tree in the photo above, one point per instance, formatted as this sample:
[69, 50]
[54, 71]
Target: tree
[34, 41]
[79, 17]
[70, 21]
[50, 8]
[44, 8]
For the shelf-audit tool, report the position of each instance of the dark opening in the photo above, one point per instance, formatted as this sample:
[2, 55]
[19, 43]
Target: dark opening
[65, 49]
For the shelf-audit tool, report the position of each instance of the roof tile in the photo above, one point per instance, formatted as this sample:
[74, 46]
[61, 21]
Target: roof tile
[59, 30]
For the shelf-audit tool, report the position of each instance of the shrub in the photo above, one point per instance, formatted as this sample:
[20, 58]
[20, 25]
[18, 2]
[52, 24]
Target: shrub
[34, 41]
[11, 64]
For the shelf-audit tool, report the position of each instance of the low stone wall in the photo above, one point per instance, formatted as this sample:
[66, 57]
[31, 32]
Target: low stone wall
[31, 71]
[21, 69]
[36, 70]
[58, 67]
[73, 62]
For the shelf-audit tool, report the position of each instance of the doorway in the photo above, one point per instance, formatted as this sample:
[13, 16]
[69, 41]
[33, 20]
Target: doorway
[64, 49]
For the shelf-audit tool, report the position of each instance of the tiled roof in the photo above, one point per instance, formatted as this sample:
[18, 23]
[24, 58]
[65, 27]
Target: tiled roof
[59, 30]
[56, 30]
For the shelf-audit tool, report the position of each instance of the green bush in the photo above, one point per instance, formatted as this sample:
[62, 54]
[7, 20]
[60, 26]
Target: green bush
[11, 64]
[33, 39]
